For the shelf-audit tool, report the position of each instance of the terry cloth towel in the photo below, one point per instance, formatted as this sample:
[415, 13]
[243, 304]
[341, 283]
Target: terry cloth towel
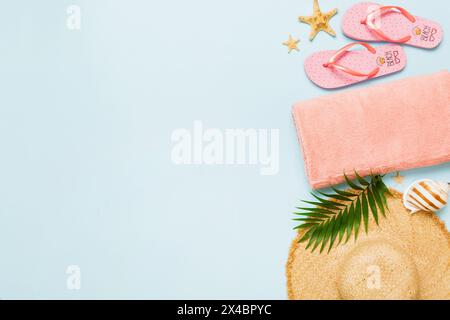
[395, 126]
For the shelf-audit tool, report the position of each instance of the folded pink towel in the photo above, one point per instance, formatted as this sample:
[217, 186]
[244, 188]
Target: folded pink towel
[389, 127]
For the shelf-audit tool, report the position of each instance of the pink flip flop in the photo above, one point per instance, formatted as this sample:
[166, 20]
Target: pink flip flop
[335, 69]
[369, 21]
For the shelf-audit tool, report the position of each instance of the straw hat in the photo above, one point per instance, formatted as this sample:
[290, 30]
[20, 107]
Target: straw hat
[406, 257]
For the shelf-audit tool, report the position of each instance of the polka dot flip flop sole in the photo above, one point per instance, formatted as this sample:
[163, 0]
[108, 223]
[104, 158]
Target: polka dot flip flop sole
[368, 21]
[335, 69]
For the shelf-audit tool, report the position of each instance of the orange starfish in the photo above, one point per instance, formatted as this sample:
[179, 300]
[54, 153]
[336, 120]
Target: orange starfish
[319, 21]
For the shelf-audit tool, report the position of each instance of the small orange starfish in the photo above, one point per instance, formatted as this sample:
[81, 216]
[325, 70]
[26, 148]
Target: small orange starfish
[291, 43]
[398, 178]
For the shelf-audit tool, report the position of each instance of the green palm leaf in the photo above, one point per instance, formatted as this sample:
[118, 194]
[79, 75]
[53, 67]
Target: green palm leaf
[305, 225]
[350, 221]
[313, 237]
[339, 213]
[365, 212]
[308, 220]
[328, 202]
[351, 184]
[334, 232]
[372, 204]
[320, 237]
[327, 235]
[320, 204]
[343, 225]
[343, 193]
[358, 214]
[316, 210]
[335, 196]
[307, 235]
[361, 180]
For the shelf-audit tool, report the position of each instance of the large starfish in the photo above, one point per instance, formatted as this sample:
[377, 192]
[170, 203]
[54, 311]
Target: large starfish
[319, 21]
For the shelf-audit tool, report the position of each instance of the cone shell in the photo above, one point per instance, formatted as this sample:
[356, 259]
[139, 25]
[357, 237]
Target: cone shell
[426, 195]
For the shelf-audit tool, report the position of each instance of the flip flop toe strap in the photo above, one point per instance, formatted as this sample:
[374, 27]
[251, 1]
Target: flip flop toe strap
[341, 52]
[369, 21]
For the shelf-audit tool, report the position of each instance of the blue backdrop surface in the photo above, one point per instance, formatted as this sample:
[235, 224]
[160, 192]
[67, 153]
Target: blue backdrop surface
[86, 119]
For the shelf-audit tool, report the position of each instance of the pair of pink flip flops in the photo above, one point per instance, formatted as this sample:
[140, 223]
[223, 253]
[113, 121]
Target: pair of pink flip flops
[372, 22]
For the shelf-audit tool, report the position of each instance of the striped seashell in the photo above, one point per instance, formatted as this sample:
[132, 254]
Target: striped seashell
[426, 195]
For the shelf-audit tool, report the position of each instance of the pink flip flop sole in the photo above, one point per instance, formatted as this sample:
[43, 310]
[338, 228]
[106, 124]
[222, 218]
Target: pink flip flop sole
[424, 33]
[388, 58]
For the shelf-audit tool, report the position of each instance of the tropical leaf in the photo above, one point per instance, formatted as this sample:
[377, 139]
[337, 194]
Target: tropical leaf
[358, 214]
[334, 232]
[335, 196]
[365, 212]
[361, 180]
[308, 220]
[316, 210]
[372, 204]
[343, 224]
[327, 235]
[351, 184]
[376, 192]
[338, 214]
[307, 235]
[311, 214]
[383, 190]
[343, 193]
[320, 204]
[320, 236]
[313, 236]
[305, 225]
[328, 202]
[351, 219]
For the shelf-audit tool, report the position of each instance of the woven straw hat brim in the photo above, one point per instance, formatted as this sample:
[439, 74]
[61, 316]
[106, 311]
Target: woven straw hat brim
[423, 236]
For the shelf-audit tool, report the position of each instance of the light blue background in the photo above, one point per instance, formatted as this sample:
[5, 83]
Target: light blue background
[86, 117]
